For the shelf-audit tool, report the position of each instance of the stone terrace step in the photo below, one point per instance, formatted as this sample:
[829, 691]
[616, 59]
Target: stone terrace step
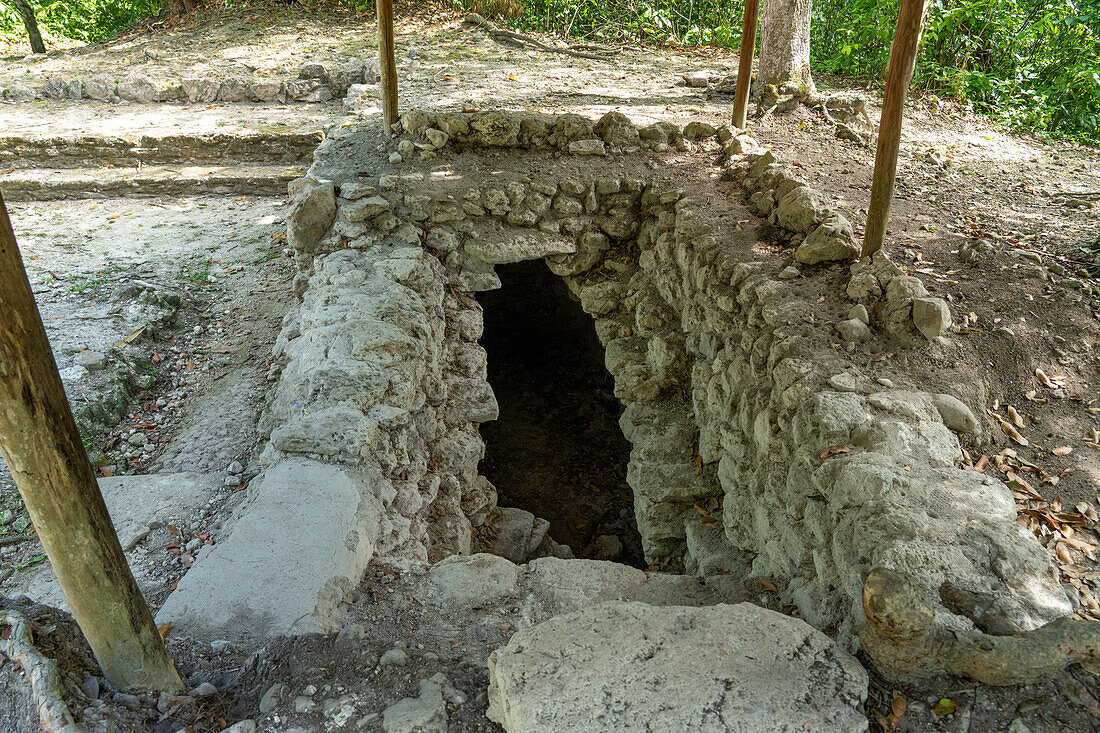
[57, 184]
[77, 151]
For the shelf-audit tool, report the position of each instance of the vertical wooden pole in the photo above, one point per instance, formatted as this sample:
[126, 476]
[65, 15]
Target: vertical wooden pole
[744, 70]
[42, 447]
[903, 57]
[387, 66]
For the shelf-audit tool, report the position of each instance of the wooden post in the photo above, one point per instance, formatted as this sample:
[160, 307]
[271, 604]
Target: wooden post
[42, 447]
[903, 57]
[387, 66]
[744, 70]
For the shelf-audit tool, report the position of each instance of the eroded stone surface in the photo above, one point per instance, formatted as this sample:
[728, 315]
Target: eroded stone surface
[369, 375]
[628, 666]
[299, 544]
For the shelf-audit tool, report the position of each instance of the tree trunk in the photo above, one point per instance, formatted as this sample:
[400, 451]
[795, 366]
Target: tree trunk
[25, 9]
[179, 7]
[785, 45]
[43, 449]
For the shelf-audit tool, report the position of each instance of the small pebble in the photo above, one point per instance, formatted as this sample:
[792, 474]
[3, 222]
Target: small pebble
[235, 467]
[396, 657]
[204, 689]
[395, 158]
[90, 686]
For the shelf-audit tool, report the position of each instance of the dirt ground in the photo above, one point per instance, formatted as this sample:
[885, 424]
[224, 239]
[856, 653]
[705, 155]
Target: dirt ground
[1003, 226]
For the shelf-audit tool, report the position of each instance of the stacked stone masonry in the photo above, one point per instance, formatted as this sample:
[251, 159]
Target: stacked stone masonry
[731, 392]
[315, 83]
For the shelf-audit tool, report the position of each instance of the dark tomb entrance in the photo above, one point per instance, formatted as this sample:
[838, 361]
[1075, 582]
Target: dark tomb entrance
[557, 450]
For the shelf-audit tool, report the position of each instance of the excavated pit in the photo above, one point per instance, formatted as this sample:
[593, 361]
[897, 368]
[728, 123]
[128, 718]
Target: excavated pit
[556, 450]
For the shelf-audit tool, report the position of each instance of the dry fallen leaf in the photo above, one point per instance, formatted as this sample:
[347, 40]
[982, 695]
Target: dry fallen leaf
[1016, 418]
[832, 450]
[164, 628]
[1053, 383]
[1013, 433]
[768, 585]
[1063, 450]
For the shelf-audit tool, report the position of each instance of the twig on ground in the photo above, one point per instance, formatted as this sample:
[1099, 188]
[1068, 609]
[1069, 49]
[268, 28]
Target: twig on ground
[41, 671]
[17, 539]
[516, 39]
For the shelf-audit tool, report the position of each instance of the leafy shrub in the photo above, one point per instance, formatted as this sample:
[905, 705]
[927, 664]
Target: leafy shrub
[84, 20]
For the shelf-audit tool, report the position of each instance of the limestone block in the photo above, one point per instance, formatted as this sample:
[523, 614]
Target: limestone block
[940, 524]
[267, 91]
[617, 130]
[587, 147]
[454, 124]
[830, 242]
[931, 316]
[364, 209]
[519, 534]
[495, 128]
[496, 247]
[697, 130]
[956, 415]
[474, 580]
[308, 90]
[200, 89]
[263, 581]
[709, 552]
[660, 132]
[927, 442]
[801, 210]
[599, 668]
[233, 90]
[312, 212]
[61, 88]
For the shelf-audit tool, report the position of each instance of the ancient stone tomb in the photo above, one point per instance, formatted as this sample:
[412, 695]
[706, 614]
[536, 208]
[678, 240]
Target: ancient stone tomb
[754, 444]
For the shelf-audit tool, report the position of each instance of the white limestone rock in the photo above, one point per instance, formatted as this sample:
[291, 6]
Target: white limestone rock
[629, 666]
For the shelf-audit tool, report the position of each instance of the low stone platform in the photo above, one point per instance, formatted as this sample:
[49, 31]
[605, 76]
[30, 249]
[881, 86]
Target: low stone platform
[66, 184]
[629, 666]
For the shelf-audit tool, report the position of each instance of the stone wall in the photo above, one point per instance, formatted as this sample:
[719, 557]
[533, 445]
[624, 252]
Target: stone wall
[761, 448]
[315, 83]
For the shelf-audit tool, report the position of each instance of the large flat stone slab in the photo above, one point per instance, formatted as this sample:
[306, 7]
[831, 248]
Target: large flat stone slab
[299, 544]
[633, 667]
[136, 505]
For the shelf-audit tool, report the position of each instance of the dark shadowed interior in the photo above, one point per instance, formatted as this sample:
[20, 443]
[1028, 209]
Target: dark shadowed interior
[557, 449]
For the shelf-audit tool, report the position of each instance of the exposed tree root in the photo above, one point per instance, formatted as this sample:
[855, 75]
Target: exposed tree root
[906, 643]
[516, 39]
[41, 671]
[842, 110]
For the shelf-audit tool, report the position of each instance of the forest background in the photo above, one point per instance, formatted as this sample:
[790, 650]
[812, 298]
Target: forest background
[1032, 64]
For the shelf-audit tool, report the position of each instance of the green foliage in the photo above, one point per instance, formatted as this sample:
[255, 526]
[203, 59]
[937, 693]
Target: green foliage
[696, 22]
[1033, 63]
[83, 20]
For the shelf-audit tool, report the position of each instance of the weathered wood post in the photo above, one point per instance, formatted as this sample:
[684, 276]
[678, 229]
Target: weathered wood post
[903, 57]
[42, 447]
[387, 66]
[744, 70]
